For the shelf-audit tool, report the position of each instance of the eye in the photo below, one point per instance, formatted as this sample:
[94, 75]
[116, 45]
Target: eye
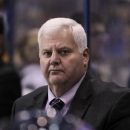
[64, 52]
[47, 53]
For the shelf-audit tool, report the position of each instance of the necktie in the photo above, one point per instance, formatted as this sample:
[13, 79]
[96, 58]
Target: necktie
[57, 104]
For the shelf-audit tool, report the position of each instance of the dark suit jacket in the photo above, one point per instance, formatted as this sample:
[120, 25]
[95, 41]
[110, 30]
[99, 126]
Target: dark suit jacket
[105, 106]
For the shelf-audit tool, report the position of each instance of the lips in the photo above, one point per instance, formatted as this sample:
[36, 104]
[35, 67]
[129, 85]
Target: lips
[55, 71]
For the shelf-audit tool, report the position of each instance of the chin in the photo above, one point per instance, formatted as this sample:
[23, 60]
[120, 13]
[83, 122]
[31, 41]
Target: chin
[56, 81]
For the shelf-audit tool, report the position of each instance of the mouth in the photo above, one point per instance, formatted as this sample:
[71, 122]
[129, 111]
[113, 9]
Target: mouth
[55, 71]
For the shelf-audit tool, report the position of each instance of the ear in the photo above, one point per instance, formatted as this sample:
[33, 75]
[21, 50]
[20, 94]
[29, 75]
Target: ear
[86, 56]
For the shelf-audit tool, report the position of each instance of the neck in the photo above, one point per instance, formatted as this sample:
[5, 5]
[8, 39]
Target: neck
[59, 90]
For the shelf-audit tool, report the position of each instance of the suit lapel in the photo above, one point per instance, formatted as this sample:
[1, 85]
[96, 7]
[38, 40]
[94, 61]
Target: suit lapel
[39, 100]
[82, 98]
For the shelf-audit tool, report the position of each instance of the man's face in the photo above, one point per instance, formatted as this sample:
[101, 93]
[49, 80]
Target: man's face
[60, 60]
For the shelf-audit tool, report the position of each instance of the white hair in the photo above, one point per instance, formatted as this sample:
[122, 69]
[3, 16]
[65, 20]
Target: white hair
[52, 26]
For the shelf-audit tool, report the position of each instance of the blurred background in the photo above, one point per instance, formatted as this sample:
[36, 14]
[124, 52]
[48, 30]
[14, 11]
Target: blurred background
[107, 23]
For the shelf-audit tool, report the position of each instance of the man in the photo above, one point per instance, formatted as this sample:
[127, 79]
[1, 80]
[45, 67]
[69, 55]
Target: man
[64, 60]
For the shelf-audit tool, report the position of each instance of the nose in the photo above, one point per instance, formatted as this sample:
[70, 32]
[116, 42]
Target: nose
[55, 59]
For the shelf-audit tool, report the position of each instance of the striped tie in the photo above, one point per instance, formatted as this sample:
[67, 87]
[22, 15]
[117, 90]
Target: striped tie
[57, 104]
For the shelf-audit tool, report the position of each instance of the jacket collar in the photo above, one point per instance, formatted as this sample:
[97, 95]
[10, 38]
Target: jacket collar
[38, 100]
[82, 98]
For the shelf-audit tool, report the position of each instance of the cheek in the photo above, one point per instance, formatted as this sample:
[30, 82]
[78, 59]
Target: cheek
[73, 65]
[43, 67]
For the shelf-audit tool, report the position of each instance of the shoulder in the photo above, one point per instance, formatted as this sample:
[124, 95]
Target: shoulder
[28, 100]
[100, 86]
[33, 94]
[110, 103]
[108, 94]
[36, 92]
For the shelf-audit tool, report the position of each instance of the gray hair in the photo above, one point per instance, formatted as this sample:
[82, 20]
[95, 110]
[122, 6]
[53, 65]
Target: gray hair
[52, 26]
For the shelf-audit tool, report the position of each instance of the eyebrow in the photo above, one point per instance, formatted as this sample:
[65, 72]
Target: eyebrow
[64, 47]
[46, 49]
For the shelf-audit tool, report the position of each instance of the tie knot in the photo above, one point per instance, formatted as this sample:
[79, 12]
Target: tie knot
[57, 104]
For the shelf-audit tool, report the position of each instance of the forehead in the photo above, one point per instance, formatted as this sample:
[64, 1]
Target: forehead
[61, 38]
